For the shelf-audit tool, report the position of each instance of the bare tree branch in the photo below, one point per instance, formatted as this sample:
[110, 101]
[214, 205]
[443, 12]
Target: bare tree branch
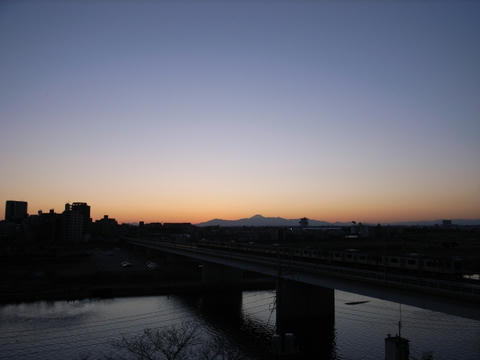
[171, 343]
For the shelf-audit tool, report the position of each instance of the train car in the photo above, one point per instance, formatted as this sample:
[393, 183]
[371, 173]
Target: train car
[446, 265]
[413, 263]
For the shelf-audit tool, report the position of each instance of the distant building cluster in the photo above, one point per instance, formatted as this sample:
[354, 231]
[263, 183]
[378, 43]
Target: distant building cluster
[73, 225]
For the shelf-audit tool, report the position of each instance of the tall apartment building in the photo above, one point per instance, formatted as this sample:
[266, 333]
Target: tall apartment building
[15, 211]
[76, 221]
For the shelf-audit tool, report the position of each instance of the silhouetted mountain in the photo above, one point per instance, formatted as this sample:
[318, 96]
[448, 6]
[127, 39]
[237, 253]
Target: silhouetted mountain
[259, 220]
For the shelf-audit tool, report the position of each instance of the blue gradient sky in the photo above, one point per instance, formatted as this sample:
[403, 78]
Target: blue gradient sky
[160, 111]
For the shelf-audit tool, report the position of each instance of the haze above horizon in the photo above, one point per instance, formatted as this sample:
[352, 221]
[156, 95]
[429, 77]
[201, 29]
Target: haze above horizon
[179, 111]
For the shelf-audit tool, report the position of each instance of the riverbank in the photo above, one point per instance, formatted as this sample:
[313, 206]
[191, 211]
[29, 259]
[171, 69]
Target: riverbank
[101, 272]
[125, 289]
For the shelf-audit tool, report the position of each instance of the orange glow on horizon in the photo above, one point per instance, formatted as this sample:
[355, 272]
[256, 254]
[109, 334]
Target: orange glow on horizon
[189, 206]
[357, 212]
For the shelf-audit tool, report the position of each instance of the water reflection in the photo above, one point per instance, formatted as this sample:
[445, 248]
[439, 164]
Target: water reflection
[249, 321]
[308, 312]
[239, 317]
[66, 329]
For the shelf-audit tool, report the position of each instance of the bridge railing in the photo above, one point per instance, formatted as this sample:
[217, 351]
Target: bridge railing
[388, 278]
[289, 267]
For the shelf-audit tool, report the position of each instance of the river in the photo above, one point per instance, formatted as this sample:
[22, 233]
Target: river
[75, 329]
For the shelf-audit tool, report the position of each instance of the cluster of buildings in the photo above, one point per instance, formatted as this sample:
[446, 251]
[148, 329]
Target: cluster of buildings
[74, 224]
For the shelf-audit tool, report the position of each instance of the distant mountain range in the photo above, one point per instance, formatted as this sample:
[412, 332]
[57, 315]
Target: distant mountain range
[259, 220]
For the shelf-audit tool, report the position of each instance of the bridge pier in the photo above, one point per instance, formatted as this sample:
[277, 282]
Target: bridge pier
[308, 312]
[223, 295]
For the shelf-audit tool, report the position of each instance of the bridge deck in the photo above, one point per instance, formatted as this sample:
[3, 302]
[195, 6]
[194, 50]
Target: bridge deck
[456, 298]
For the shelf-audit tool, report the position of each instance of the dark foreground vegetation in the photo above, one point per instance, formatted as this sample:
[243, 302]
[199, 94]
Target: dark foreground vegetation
[180, 342]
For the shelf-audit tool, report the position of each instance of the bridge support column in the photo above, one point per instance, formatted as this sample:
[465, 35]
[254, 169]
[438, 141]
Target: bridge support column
[223, 295]
[308, 312]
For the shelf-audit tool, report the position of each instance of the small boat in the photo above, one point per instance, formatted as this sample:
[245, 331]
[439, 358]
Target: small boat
[357, 302]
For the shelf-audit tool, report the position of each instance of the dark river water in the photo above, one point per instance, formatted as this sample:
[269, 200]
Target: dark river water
[74, 329]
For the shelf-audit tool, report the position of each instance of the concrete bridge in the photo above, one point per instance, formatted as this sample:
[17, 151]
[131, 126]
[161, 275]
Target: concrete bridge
[455, 298]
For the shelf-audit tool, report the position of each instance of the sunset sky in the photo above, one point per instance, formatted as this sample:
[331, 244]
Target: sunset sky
[187, 111]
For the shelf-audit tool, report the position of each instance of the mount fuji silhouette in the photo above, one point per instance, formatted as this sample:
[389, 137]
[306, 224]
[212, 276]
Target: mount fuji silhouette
[259, 220]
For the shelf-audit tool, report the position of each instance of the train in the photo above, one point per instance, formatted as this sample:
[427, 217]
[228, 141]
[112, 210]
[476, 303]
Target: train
[447, 267]
[410, 263]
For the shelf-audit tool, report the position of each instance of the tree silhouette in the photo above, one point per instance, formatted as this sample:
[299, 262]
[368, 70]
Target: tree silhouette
[171, 343]
[179, 342]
